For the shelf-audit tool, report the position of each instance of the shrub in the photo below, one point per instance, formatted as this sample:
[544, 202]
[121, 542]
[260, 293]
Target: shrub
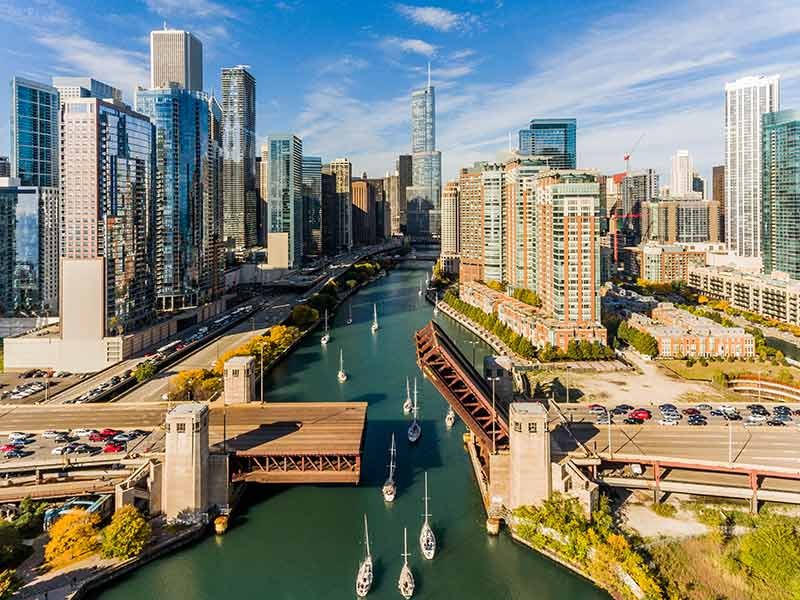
[771, 555]
[127, 535]
[303, 315]
[8, 584]
[72, 536]
[144, 371]
[663, 509]
[527, 296]
[12, 550]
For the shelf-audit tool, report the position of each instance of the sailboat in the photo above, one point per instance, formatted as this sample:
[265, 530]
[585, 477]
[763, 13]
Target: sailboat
[326, 337]
[436, 305]
[427, 540]
[406, 581]
[350, 314]
[420, 288]
[364, 577]
[414, 430]
[450, 418]
[407, 404]
[374, 327]
[341, 375]
[389, 487]
[427, 282]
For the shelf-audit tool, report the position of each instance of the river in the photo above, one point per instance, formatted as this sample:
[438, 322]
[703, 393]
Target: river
[305, 542]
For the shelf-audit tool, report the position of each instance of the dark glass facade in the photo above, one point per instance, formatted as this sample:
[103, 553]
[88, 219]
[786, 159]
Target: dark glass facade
[20, 250]
[551, 137]
[34, 133]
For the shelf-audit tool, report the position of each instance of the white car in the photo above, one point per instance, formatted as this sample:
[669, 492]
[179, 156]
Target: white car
[59, 450]
[668, 422]
[52, 434]
[83, 432]
[756, 419]
[18, 435]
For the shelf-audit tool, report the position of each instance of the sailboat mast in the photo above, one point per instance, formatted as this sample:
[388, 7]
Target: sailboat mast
[366, 534]
[405, 546]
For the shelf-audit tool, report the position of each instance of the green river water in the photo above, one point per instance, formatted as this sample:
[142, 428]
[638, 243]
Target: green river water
[305, 542]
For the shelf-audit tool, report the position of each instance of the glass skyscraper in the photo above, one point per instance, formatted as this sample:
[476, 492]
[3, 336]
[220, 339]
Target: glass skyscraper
[34, 161]
[285, 205]
[551, 137]
[20, 248]
[423, 197]
[312, 204]
[780, 199]
[187, 228]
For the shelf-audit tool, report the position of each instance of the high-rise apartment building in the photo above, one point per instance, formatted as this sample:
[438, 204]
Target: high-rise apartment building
[450, 219]
[383, 213]
[686, 220]
[342, 169]
[391, 184]
[364, 212]
[240, 201]
[718, 195]
[746, 100]
[176, 57]
[780, 213]
[330, 212]
[263, 187]
[637, 187]
[568, 273]
[682, 172]
[555, 138]
[285, 204]
[471, 217]
[188, 236]
[108, 219]
[85, 87]
[423, 197]
[35, 162]
[312, 205]
[5, 166]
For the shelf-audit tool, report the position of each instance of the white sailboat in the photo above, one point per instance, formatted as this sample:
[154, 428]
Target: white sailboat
[427, 540]
[407, 404]
[450, 418]
[341, 375]
[350, 314]
[406, 581]
[414, 430]
[436, 305]
[326, 337]
[427, 282]
[374, 327]
[420, 288]
[364, 577]
[389, 487]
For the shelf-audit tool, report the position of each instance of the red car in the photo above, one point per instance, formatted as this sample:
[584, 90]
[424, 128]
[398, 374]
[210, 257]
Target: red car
[111, 448]
[110, 432]
[641, 413]
[10, 447]
[690, 411]
[98, 437]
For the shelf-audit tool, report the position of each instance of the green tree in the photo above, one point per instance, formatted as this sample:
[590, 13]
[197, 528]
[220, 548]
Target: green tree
[144, 371]
[303, 315]
[771, 554]
[8, 584]
[12, 550]
[127, 535]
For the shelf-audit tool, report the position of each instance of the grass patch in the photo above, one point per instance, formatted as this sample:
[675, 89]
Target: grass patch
[714, 369]
[662, 509]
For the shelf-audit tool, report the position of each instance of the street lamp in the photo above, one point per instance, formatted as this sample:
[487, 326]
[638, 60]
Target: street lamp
[494, 412]
[473, 343]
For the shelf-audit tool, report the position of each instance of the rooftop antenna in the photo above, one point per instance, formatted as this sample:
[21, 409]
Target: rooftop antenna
[429, 74]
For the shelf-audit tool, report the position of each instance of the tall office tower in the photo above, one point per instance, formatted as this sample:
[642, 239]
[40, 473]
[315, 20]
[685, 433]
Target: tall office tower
[521, 233]
[187, 233]
[239, 155]
[555, 138]
[780, 241]
[20, 250]
[34, 161]
[682, 171]
[330, 208]
[5, 166]
[493, 191]
[312, 205]
[391, 184]
[382, 212]
[450, 223]
[263, 187]
[746, 100]
[342, 169]
[470, 208]
[108, 219]
[404, 171]
[176, 57]
[85, 87]
[285, 205]
[568, 205]
[214, 215]
[638, 187]
[423, 197]
[718, 195]
[364, 212]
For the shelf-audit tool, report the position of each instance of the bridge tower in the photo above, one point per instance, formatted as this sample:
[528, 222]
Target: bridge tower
[529, 444]
[186, 463]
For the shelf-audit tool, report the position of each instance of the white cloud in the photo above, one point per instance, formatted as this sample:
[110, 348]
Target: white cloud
[197, 8]
[413, 46]
[77, 55]
[437, 18]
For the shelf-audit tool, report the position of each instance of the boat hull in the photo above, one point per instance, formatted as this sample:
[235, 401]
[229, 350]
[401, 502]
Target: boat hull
[364, 578]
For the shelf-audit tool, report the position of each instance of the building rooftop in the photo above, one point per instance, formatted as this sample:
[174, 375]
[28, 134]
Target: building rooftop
[188, 409]
[755, 278]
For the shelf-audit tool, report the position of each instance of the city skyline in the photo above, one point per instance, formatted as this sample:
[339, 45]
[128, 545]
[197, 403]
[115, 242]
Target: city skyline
[671, 95]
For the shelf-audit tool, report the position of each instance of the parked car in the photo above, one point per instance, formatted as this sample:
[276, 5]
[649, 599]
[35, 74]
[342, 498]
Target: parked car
[667, 422]
[61, 450]
[17, 453]
[83, 432]
[633, 421]
[111, 448]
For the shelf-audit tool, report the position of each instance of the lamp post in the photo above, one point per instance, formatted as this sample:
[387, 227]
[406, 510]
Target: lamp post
[473, 343]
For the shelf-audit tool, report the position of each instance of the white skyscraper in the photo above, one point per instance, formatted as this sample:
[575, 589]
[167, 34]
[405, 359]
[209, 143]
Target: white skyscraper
[682, 173]
[746, 100]
[176, 57]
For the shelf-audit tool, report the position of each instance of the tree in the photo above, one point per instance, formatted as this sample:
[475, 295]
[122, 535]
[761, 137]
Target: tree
[496, 285]
[12, 550]
[8, 584]
[771, 554]
[303, 315]
[72, 536]
[127, 535]
[144, 371]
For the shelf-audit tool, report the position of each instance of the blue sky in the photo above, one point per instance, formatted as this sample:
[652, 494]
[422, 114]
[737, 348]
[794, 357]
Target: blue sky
[340, 73]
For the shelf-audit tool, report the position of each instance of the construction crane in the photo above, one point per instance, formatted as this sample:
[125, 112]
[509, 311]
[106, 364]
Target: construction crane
[627, 156]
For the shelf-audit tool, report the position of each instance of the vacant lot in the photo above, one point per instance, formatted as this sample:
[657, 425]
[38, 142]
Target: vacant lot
[733, 368]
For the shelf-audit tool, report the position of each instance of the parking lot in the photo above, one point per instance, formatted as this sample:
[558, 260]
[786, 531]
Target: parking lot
[34, 386]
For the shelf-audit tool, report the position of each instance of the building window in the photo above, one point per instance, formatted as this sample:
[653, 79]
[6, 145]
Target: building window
[531, 427]
[180, 427]
[518, 427]
[236, 372]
